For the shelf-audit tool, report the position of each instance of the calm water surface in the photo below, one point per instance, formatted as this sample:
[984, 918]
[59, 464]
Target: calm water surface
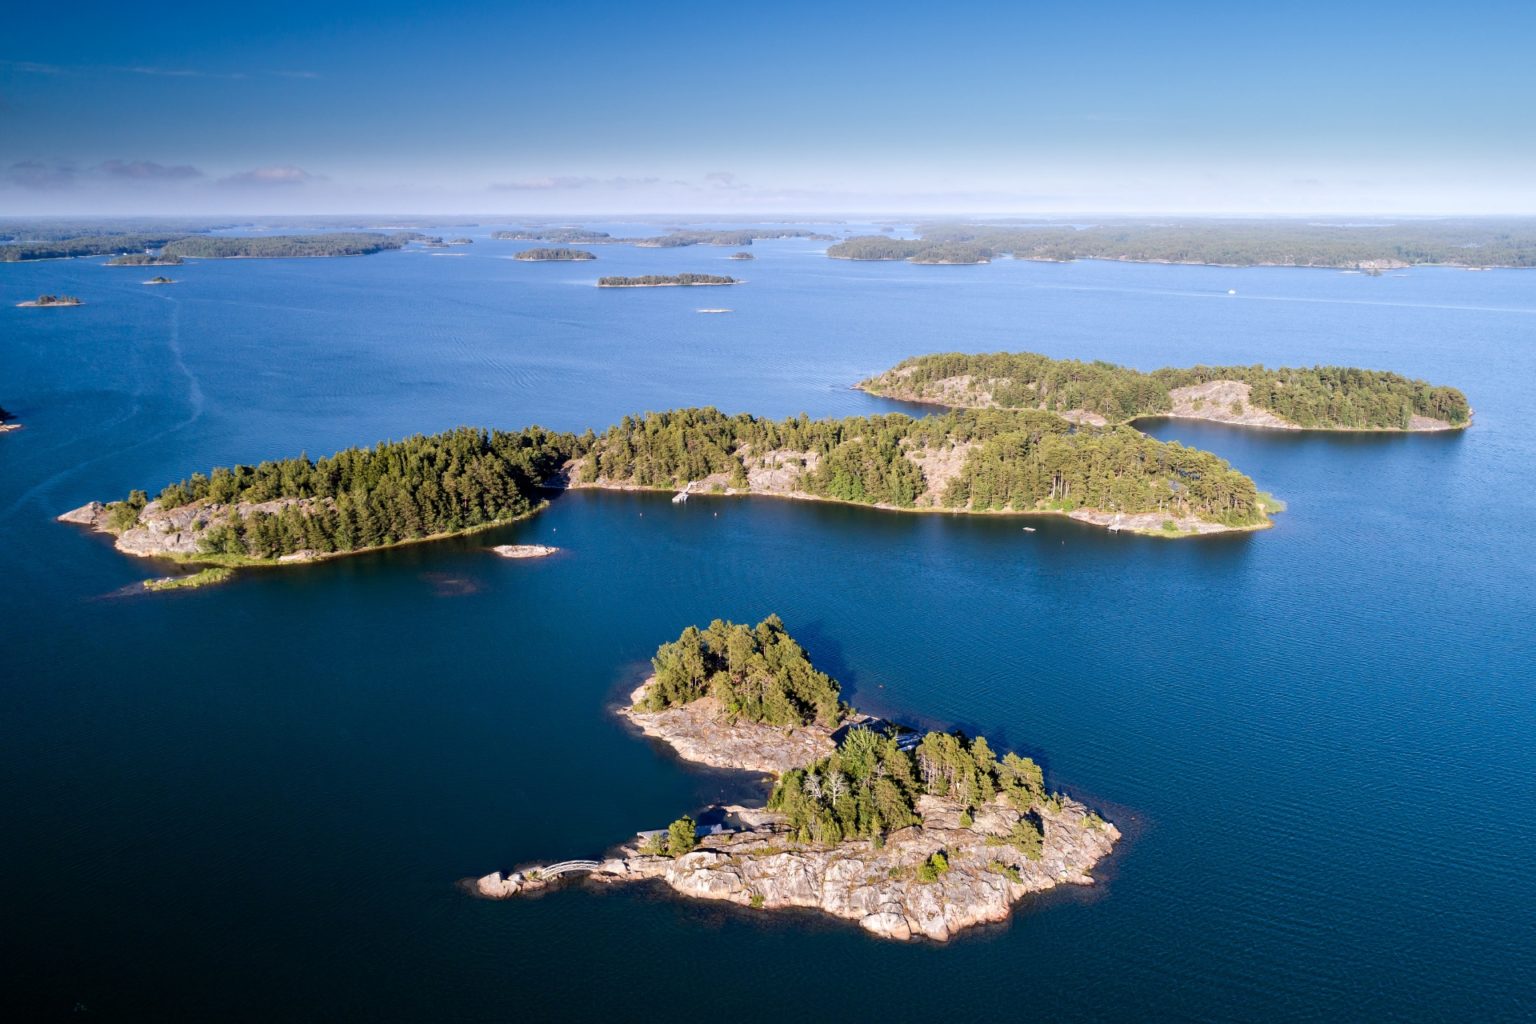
[254, 802]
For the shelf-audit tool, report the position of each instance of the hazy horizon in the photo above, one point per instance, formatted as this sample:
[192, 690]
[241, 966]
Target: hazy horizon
[1314, 110]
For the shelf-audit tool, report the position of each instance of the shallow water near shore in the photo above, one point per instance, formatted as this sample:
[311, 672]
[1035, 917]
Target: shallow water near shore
[254, 801]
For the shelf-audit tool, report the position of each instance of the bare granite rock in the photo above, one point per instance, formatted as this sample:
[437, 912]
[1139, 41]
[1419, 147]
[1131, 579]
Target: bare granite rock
[697, 732]
[524, 550]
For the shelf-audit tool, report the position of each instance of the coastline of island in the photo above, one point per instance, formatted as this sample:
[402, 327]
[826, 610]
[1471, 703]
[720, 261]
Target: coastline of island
[1318, 398]
[907, 835]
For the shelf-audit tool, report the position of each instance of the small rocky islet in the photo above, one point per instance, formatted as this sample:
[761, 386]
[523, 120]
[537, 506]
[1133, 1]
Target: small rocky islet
[909, 836]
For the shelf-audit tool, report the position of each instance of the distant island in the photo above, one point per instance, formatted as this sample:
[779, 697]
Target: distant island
[553, 255]
[741, 256]
[1369, 247]
[1313, 398]
[1021, 462]
[665, 281]
[144, 259]
[673, 240]
[561, 236]
[908, 835]
[52, 300]
[135, 243]
[460, 241]
[160, 280]
[342, 243]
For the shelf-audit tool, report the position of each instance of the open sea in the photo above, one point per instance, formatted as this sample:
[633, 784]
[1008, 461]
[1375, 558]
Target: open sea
[255, 802]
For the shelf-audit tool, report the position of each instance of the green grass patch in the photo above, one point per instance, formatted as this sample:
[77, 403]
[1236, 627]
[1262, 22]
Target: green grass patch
[205, 578]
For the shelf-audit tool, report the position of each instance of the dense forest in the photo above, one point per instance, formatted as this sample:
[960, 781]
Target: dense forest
[664, 280]
[546, 255]
[1318, 396]
[759, 674]
[341, 243]
[870, 786]
[952, 253]
[1472, 242]
[1012, 461]
[366, 497]
[144, 259]
[83, 245]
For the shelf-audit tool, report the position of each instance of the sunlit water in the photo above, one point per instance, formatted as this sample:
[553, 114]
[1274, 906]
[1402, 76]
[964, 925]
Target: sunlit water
[254, 802]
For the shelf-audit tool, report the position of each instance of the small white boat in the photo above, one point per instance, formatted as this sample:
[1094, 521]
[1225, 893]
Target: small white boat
[1029, 529]
[1231, 291]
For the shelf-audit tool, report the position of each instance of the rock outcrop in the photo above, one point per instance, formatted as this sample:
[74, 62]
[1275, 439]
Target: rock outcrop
[524, 550]
[892, 889]
[176, 532]
[697, 733]
[881, 888]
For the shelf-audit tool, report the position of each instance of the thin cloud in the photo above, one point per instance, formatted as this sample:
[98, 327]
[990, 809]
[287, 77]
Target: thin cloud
[34, 174]
[571, 183]
[33, 68]
[278, 176]
[147, 170]
[179, 72]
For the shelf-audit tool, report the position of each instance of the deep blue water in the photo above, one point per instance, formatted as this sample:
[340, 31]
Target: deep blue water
[253, 802]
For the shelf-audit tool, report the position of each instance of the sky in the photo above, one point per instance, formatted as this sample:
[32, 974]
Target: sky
[765, 108]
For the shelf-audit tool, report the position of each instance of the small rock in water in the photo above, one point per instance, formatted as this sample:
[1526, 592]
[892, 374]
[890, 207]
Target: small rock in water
[523, 550]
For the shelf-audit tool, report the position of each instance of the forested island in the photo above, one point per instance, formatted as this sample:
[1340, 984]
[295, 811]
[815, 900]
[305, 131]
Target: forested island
[976, 461]
[1313, 398]
[1461, 242]
[134, 243]
[972, 461]
[159, 279]
[144, 259]
[356, 500]
[676, 239]
[348, 243]
[907, 835]
[553, 255]
[52, 300]
[741, 256]
[665, 281]
[559, 236]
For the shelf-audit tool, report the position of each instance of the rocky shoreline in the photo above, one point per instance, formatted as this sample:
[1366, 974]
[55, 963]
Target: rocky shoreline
[889, 888]
[1216, 401]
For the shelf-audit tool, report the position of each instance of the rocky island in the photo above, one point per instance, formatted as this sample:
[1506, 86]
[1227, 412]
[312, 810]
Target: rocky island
[6, 418]
[665, 281]
[907, 836]
[1099, 393]
[524, 550]
[1019, 462]
[158, 279]
[553, 255]
[50, 300]
[741, 256]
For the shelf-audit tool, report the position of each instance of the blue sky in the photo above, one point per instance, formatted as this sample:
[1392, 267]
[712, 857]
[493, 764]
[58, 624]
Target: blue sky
[600, 107]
